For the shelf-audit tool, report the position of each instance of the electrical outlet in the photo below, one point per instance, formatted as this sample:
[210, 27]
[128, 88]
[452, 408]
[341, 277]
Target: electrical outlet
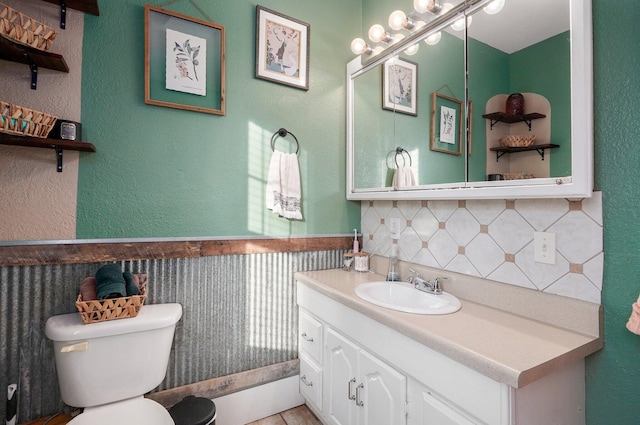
[394, 228]
[544, 247]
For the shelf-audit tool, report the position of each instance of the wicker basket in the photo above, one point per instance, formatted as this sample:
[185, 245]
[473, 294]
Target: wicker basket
[514, 141]
[516, 176]
[25, 30]
[110, 309]
[15, 119]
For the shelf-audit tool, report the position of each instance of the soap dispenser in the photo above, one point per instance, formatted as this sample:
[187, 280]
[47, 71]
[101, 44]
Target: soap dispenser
[356, 244]
[392, 273]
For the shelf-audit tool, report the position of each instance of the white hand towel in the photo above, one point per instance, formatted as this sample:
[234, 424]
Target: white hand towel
[403, 177]
[283, 194]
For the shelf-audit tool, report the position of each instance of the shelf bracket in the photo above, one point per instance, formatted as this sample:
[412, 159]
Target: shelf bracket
[541, 152]
[34, 71]
[528, 122]
[498, 155]
[494, 122]
[59, 157]
[63, 14]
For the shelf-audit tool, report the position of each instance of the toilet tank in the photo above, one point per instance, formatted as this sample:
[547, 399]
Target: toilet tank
[110, 361]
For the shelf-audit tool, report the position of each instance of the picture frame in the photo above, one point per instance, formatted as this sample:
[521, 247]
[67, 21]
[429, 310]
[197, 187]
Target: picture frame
[184, 62]
[447, 115]
[400, 86]
[282, 49]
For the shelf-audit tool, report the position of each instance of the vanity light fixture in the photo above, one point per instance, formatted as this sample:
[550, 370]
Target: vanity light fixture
[414, 21]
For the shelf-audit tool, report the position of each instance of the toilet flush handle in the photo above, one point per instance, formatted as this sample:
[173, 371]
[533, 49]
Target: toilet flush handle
[81, 346]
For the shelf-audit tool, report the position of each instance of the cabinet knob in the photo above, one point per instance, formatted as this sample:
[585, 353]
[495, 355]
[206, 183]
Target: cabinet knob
[306, 338]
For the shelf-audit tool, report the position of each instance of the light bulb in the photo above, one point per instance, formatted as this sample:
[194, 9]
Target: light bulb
[359, 46]
[419, 24]
[397, 37]
[424, 6]
[377, 33]
[412, 50]
[397, 20]
[494, 7]
[377, 50]
[459, 24]
[433, 39]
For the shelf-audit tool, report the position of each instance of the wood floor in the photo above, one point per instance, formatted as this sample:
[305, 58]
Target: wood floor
[300, 415]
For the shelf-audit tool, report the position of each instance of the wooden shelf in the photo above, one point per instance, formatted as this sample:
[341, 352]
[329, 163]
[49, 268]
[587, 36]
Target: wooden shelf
[501, 150]
[16, 52]
[86, 6]
[58, 145]
[497, 117]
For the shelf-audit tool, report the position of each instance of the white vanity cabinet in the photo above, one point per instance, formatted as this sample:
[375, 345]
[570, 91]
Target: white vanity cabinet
[359, 388]
[368, 373]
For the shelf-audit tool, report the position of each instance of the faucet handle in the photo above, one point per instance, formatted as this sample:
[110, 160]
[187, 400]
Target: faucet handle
[411, 279]
[436, 284]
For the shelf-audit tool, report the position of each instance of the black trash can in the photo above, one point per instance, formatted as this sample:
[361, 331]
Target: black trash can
[194, 411]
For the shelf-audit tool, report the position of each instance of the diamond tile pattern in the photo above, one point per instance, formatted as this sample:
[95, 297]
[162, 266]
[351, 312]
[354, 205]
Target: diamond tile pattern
[449, 235]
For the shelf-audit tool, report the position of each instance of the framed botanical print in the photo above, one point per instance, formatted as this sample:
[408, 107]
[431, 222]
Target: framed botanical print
[400, 86]
[282, 49]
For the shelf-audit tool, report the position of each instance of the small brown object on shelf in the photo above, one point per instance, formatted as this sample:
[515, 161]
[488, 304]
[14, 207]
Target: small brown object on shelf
[110, 309]
[515, 141]
[515, 104]
[25, 30]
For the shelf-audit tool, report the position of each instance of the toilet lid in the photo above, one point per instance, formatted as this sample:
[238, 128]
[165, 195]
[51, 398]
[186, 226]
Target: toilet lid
[134, 411]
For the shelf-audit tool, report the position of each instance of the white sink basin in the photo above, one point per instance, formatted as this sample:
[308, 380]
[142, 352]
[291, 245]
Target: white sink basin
[402, 296]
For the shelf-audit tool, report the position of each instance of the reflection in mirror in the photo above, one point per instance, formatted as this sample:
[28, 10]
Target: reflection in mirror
[550, 64]
[527, 51]
[379, 129]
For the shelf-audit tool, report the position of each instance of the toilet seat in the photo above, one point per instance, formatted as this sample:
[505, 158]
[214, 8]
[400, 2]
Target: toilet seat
[133, 411]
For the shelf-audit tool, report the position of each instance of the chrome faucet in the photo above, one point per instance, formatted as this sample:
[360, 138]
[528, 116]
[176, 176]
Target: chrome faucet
[424, 285]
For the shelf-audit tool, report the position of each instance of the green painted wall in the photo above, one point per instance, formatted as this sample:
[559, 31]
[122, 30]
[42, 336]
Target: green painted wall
[613, 374]
[162, 172]
[149, 159]
[545, 68]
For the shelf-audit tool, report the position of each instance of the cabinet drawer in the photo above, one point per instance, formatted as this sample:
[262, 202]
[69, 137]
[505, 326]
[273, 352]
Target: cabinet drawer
[311, 381]
[310, 337]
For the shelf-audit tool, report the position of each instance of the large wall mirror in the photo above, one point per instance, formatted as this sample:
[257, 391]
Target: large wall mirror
[399, 106]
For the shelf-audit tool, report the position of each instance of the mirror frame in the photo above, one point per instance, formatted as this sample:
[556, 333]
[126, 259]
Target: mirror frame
[578, 185]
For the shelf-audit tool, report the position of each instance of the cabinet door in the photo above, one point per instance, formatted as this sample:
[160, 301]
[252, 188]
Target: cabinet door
[339, 379]
[381, 393]
[427, 409]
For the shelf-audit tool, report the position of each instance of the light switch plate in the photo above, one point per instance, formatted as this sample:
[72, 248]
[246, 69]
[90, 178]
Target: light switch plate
[544, 247]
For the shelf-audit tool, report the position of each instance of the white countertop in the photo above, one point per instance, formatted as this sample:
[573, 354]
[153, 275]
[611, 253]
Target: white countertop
[504, 346]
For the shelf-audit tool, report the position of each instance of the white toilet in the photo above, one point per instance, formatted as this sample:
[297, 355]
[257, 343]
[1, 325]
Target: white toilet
[107, 367]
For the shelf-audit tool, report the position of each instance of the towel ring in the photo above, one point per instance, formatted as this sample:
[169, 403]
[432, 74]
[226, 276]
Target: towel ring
[283, 133]
[400, 151]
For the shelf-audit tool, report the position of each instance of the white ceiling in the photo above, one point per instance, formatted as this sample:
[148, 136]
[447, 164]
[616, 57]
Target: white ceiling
[521, 23]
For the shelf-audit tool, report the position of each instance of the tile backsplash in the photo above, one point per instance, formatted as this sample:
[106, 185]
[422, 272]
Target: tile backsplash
[493, 239]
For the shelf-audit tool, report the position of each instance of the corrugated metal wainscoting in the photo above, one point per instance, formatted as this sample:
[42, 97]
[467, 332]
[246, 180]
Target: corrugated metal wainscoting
[239, 314]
